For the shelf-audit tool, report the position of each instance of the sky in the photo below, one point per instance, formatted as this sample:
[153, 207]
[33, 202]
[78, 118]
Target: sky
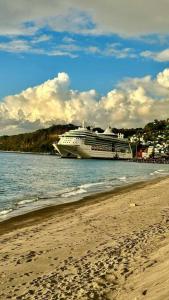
[106, 62]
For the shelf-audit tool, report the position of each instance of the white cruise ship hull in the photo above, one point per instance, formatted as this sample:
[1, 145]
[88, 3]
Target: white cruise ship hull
[78, 151]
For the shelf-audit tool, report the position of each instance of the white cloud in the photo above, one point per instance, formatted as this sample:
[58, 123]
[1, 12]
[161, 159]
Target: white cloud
[60, 52]
[134, 102]
[32, 46]
[18, 46]
[127, 18]
[68, 48]
[42, 38]
[163, 78]
[161, 56]
[22, 46]
[115, 50]
[111, 50]
[68, 39]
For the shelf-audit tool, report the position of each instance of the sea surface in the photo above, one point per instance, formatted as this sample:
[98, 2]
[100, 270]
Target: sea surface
[32, 181]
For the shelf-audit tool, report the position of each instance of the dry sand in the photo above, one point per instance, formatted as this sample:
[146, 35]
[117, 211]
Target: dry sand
[111, 246]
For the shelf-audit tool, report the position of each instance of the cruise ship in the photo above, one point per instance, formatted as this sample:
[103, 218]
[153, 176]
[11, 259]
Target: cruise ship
[85, 143]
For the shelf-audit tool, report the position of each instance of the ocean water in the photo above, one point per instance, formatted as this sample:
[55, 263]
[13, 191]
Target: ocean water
[30, 181]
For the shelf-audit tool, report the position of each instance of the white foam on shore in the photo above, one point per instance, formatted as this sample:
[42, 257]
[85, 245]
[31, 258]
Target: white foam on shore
[159, 172]
[26, 201]
[93, 184]
[122, 178]
[74, 193]
[5, 212]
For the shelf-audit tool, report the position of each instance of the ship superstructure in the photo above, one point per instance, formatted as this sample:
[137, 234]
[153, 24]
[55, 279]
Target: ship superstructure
[84, 143]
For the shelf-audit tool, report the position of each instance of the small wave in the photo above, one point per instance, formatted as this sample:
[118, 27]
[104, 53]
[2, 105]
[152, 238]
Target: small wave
[123, 178]
[89, 185]
[26, 201]
[74, 193]
[5, 212]
[156, 172]
[55, 195]
[159, 172]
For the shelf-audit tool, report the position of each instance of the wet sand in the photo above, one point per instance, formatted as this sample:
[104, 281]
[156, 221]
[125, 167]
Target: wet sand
[113, 245]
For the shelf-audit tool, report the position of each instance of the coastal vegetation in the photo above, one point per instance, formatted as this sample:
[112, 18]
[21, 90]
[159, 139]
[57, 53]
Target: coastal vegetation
[42, 139]
[38, 141]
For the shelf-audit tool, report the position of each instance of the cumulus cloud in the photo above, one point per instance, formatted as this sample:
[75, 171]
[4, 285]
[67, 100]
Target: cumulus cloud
[163, 78]
[128, 18]
[134, 102]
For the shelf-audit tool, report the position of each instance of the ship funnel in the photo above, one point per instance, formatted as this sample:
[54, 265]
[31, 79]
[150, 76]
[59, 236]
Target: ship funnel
[108, 130]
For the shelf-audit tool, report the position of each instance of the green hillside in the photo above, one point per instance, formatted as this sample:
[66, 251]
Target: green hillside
[38, 141]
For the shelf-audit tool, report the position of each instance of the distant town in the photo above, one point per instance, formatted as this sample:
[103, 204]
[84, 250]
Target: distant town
[152, 141]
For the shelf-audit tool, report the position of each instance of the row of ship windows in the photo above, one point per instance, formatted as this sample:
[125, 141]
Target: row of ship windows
[70, 140]
[107, 145]
[110, 150]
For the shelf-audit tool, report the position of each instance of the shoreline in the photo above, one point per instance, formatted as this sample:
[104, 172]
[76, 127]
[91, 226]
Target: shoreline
[34, 216]
[114, 245]
[25, 152]
[158, 160]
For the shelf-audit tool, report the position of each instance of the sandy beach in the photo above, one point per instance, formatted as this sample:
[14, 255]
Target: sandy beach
[109, 246]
